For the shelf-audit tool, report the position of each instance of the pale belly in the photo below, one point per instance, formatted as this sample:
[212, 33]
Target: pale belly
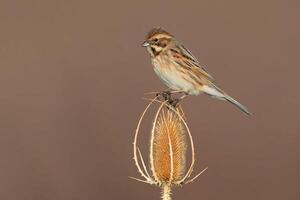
[175, 80]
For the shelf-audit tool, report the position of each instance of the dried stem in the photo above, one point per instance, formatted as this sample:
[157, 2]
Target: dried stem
[143, 163]
[195, 177]
[135, 158]
[166, 192]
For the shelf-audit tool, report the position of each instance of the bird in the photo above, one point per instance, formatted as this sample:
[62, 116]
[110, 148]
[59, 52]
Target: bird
[179, 70]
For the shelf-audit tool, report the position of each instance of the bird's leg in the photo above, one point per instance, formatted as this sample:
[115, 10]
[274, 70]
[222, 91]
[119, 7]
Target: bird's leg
[174, 102]
[166, 95]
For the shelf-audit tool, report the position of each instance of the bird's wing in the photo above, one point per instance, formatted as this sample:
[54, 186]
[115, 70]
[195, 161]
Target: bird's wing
[184, 57]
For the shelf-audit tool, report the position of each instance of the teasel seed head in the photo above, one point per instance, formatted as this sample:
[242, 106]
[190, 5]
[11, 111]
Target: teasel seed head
[168, 147]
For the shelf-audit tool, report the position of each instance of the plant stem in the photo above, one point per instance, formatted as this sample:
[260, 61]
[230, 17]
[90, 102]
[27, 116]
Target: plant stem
[166, 192]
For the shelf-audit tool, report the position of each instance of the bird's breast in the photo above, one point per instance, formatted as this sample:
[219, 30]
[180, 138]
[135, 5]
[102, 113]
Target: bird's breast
[173, 75]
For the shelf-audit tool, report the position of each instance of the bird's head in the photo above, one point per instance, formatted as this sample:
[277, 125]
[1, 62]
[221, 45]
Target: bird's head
[157, 41]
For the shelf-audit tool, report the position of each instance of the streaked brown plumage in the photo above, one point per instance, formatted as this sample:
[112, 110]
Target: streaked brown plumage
[180, 70]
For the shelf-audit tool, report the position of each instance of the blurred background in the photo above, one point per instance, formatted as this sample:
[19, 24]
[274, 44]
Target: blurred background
[72, 77]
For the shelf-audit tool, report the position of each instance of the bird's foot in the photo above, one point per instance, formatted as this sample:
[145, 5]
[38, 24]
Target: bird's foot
[174, 102]
[167, 97]
[164, 96]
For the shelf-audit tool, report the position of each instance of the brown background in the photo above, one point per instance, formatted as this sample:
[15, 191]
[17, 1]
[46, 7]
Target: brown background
[72, 75]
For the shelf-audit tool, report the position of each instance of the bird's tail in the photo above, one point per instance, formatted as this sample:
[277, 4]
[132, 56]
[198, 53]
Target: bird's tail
[219, 94]
[237, 104]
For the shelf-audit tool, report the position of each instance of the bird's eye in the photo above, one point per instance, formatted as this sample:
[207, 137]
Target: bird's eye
[155, 40]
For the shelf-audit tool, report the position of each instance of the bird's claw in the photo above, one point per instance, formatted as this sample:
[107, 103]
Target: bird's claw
[166, 96]
[173, 102]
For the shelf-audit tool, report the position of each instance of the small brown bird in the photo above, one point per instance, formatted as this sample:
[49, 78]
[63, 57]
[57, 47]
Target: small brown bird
[180, 70]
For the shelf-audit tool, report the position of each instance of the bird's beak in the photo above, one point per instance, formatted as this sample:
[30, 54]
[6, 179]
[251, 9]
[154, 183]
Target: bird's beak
[145, 44]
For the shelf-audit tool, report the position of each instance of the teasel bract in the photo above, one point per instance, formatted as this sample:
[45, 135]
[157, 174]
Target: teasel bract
[168, 150]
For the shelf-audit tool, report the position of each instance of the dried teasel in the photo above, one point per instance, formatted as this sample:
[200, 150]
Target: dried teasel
[168, 147]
